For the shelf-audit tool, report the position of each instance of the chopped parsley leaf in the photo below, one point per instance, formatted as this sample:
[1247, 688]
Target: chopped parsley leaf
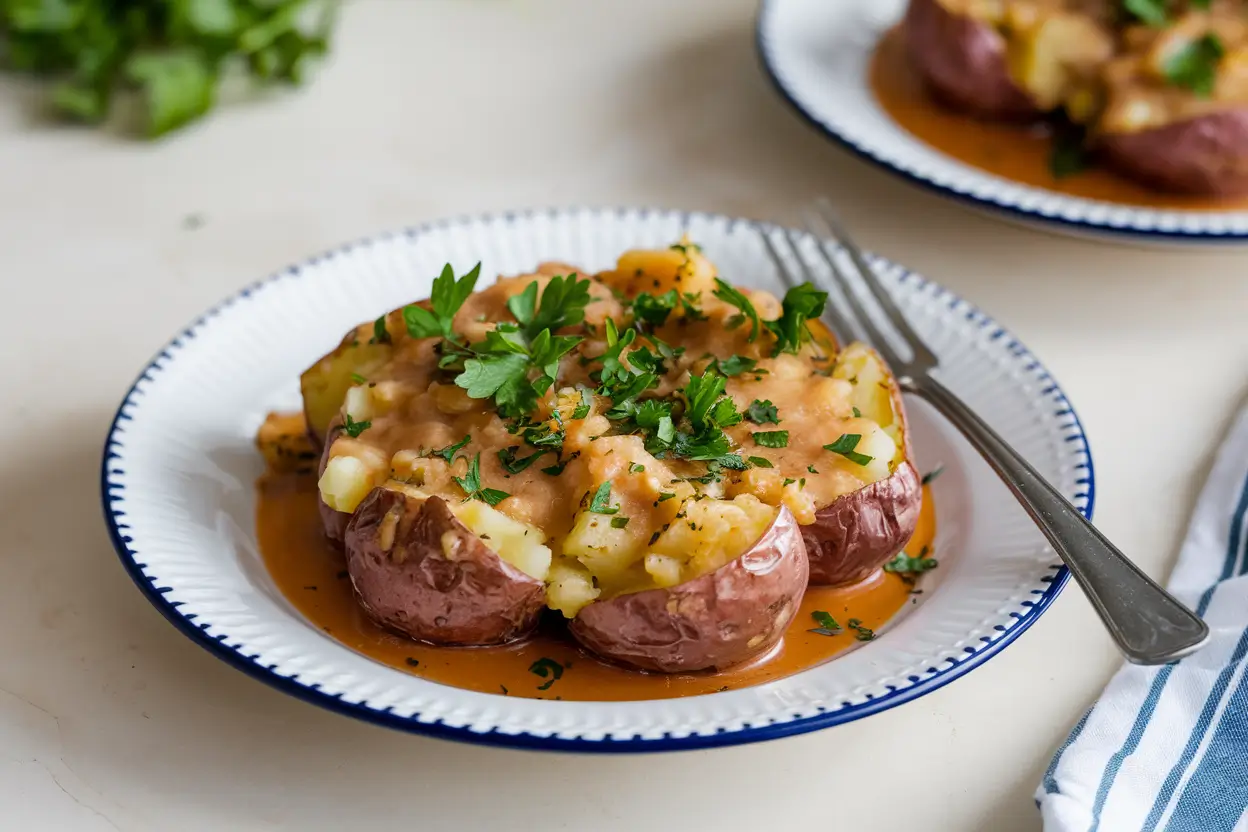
[730, 295]
[513, 464]
[358, 379]
[735, 365]
[654, 310]
[906, 565]
[811, 469]
[1152, 12]
[380, 334]
[448, 453]
[1195, 65]
[555, 470]
[471, 484]
[931, 475]
[636, 468]
[845, 447]
[761, 413]
[354, 428]
[548, 669]
[857, 413]
[664, 496]
[759, 462]
[772, 438]
[827, 625]
[601, 502]
[619, 522]
[860, 632]
[801, 304]
[582, 409]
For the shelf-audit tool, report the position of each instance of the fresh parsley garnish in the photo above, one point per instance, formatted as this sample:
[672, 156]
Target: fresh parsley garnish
[1195, 65]
[448, 453]
[548, 669]
[471, 484]
[556, 469]
[857, 413]
[906, 565]
[1068, 149]
[563, 304]
[358, 379]
[381, 335]
[664, 496]
[827, 625]
[601, 501]
[173, 53]
[619, 522]
[1152, 12]
[730, 295]
[502, 366]
[761, 413]
[771, 438]
[354, 428]
[759, 462]
[447, 297]
[931, 475]
[801, 304]
[735, 365]
[845, 447]
[513, 464]
[654, 310]
[582, 409]
[860, 632]
[636, 468]
[811, 469]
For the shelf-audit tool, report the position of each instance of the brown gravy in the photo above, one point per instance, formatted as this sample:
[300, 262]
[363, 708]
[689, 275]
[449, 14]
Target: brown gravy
[1016, 152]
[311, 574]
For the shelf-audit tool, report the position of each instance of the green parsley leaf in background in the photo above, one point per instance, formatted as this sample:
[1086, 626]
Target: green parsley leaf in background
[172, 53]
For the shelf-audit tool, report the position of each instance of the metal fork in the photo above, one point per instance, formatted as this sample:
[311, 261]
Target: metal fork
[1149, 625]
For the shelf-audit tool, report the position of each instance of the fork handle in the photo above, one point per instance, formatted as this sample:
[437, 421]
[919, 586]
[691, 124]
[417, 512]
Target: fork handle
[1149, 625]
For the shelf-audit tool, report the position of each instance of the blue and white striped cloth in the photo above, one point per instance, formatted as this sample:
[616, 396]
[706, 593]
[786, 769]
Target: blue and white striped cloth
[1166, 748]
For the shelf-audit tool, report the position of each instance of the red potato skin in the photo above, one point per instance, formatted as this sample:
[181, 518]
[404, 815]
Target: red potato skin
[723, 618]
[860, 532]
[962, 61]
[1207, 155]
[437, 582]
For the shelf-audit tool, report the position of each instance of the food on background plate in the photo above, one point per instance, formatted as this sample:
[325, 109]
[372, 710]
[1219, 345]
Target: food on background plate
[1156, 90]
[658, 458]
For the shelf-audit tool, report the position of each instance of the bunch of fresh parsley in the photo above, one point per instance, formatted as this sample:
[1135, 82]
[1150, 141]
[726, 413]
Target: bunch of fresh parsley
[173, 52]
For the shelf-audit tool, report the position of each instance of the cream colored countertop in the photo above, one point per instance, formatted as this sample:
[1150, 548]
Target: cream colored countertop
[110, 719]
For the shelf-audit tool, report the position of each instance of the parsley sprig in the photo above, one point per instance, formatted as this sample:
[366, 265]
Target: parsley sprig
[517, 363]
[447, 297]
[801, 304]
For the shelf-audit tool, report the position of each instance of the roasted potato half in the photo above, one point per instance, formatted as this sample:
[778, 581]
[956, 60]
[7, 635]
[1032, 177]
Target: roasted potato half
[444, 574]
[862, 530]
[729, 615]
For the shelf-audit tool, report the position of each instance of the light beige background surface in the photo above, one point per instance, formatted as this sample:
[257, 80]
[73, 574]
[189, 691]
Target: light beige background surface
[111, 719]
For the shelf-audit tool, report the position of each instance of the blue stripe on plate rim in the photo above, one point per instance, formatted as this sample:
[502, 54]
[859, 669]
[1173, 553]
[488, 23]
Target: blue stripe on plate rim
[997, 206]
[112, 464]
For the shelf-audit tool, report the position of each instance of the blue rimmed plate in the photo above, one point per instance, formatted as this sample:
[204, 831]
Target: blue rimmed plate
[179, 468]
[818, 55]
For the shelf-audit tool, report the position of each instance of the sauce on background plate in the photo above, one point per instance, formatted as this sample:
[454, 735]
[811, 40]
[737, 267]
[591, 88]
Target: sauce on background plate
[311, 574]
[1016, 152]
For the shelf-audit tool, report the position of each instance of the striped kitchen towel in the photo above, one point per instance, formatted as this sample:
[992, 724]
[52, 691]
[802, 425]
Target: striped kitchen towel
[1166, 748]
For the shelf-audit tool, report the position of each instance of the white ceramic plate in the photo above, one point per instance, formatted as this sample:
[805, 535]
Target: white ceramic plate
[179, 468]
[818, 53]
